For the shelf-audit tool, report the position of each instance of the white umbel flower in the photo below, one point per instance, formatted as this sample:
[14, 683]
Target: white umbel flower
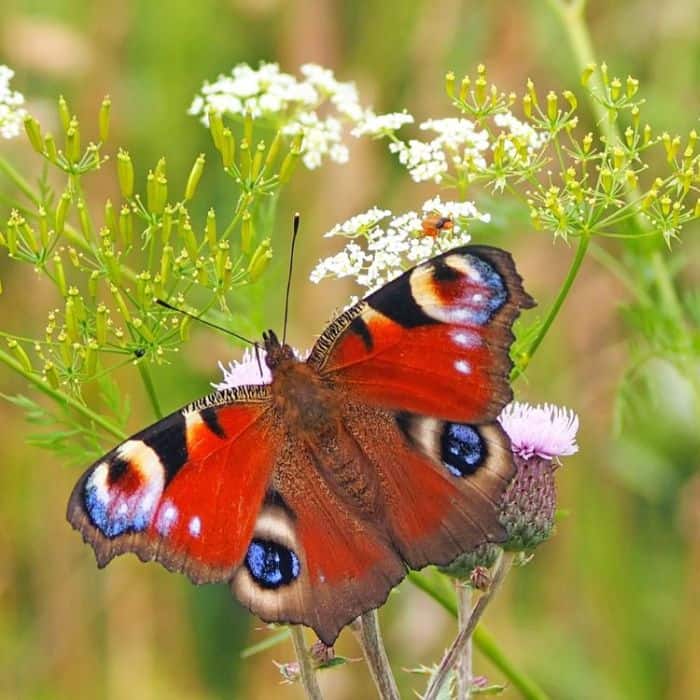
[12, 113]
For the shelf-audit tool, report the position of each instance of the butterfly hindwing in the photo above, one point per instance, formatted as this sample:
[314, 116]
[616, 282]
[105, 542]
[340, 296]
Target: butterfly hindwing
[185, 491]
[435, 340]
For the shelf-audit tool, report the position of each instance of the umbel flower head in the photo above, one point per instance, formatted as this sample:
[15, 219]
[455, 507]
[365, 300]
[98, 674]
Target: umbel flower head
[539, 435]
[11, 111]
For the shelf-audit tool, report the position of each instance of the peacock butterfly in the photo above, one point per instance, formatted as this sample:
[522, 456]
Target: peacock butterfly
[312, 495]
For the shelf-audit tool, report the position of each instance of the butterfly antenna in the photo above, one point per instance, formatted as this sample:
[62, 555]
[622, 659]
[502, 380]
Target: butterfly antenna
[166, 305]
[295, 231]
[257, 357]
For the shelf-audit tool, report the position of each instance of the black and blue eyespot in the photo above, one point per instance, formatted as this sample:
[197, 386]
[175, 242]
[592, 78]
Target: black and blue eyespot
[497, 290]
[462, 449]
[271, 564]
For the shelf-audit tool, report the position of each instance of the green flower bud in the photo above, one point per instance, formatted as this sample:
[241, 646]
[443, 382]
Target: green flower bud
[194, 177]
[450, 84]
[64, 113]
[210, 229]
[618, 158]
[632, 86]
[647, 134]
[587, 142]
[91, 357]
[480, 90]
[571, 99]
[216, 128]
[604, 73]
[126, 225]
[190, 240]
[258, 160]
[103, 118]
[632, 179]
[166, 225]
[71, 320]
[464, 88]
[101, 324]
[246, 232]
[33, 129]
[93, 281]
[666, 205]
[50, 149]
[587, 73]
[125, 173]
[84, 218]
[273, 152]
[527, 106]
[260, 260]
[244, 159]
[73, 142]
[615, 89]
[110, 217]
[20, 353]
[228, 148]
[552, 106]
[634, 113]
[289, 165]
[61, 212]
[51, 375]
[121, 304]
[60, 274]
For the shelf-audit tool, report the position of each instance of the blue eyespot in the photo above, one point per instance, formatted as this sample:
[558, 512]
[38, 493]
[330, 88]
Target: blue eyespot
[270, 564]
[462, 449]
[497, 292]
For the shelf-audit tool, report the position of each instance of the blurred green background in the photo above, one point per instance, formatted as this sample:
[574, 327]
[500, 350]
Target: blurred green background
[610, 608]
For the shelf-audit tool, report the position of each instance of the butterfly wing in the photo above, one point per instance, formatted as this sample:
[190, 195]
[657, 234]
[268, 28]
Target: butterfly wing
[187, 490]
[434, 341]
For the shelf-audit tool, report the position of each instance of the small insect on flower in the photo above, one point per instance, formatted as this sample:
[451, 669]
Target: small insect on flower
[434, 224]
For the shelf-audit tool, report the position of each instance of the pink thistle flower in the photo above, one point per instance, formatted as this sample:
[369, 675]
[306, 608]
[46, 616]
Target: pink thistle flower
[545, 431]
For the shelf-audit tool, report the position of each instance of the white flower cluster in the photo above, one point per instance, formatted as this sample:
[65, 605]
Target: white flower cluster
[458, 142]
[378, 125]
[11, 111]
[289, 103]
[392, 247]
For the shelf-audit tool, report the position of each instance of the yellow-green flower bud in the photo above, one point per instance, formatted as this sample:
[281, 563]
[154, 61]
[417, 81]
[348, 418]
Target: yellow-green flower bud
[211, 229]
[126, 225]
[618, 158]
[649, 198]
[166, 224]
[464, 88]
[615, 89]
[110, 217]
[101, 324]
[527, 106]
[51, 375]
[244, 158]
[103, 118]
[273, 152]
[606, 180]
[216, 128]
[632, 179]
[587, 73]
[74, 257]
[161, 194]
[20, 353]
[632, 86]
[289, 165]
[450, 84]
[480, 90]
[84, 218]
[125, 173]
[43, 227]
[50, 148]
[258, 160]
[60, 274]
[228, 148]
[531, 91]
[166, 263]
[160, 168]
[73, 142]
[121, 304]
[587, 142]
[571, 99]
[61, 212]
[71, 320]
[696, 211]
[33, 129]
[91, 357]
[246, 232]
[634, 113]
[604, 73]
[190, 240]
[260, 260]
[647, 135]
[194, 177]
[64, 113]
[552, 106]
[93, 281]
[666, 205]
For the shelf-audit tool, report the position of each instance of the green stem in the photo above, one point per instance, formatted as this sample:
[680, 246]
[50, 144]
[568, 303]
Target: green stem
[21, 183]
[527, 354]
[150, 389]
[60, 397]
[369, 634]
[306, 669]
[482, 639]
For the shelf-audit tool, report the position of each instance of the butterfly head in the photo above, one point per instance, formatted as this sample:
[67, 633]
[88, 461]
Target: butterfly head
[276, 353]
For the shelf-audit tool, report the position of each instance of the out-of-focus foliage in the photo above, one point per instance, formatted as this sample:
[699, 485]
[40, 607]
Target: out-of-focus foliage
[610, 610]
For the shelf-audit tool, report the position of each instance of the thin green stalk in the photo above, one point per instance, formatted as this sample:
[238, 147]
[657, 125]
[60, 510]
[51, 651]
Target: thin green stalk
[150, 389]
[483, 640]
[464, 669]
[306, 669]
[370, 637]
[60, 397]
[21, 183]
[524, 361]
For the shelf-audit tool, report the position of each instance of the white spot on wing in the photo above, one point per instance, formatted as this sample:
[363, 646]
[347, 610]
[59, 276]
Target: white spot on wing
[195, 526]
[463, 367]
[465, 339]
[167, 517]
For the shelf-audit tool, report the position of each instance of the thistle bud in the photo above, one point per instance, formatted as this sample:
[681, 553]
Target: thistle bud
[103, 118]
[194, 177]
[125, 173]
[462, 567]
[33, 129]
